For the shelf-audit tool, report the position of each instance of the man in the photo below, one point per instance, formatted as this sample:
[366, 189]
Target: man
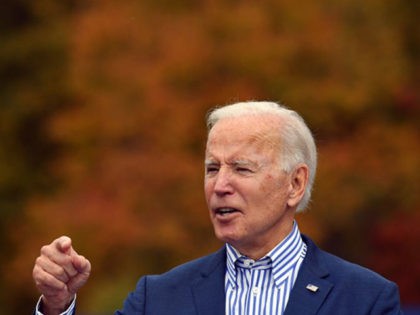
[260, 165]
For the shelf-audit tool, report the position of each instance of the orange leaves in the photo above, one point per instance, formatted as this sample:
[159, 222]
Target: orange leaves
[103, 106]
[395, 251]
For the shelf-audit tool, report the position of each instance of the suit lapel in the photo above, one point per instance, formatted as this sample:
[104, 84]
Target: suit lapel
[302, 300]
[306, 300]
[209, 289]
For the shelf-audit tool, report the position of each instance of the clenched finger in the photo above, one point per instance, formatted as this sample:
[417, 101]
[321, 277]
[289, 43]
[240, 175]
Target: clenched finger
[44, 280]
[58, 253]
[83, 266]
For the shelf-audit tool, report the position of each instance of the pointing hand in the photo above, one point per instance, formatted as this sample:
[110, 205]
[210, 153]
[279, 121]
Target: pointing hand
[59, 272]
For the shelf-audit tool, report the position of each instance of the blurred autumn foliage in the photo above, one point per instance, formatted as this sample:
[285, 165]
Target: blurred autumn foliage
[102, 107]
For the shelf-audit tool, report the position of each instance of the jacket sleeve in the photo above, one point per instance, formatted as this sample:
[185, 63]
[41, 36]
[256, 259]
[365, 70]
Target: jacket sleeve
[388, 301]
[136, 300]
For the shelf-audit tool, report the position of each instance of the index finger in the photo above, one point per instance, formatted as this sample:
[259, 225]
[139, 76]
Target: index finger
[63, 244]
[60, 252]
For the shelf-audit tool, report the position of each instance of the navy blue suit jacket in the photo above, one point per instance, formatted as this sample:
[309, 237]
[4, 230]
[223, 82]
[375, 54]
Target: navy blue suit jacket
[197, 288]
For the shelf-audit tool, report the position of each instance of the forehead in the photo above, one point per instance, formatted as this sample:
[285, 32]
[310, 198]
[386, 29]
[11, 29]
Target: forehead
[245, 133]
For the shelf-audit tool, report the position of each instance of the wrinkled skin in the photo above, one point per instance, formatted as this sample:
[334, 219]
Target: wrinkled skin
[58, 273]
[252, 201]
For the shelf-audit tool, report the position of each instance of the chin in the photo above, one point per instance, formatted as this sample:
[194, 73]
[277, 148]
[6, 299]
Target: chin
[226, 236]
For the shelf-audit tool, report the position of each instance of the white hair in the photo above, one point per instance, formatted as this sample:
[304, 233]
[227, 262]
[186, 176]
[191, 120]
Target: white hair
[298, 142]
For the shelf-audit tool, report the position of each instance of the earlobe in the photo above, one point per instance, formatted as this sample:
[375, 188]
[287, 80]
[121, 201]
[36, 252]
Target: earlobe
[298, 182]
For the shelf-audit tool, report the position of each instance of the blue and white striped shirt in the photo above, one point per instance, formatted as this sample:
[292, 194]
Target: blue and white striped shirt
[263, 286]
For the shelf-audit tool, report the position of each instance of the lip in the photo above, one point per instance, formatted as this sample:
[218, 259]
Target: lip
[225, 213]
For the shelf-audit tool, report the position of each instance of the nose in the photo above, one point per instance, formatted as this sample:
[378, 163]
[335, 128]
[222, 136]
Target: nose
[223, 182]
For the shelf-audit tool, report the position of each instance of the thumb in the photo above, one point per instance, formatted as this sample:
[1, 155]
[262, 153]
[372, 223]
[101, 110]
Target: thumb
[81, 264]
[83, 268]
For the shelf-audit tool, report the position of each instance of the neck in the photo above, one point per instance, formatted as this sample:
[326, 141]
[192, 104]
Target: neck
[257, 250]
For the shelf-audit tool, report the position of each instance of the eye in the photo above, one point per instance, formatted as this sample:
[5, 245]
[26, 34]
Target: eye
[244, 170]
[212, 169]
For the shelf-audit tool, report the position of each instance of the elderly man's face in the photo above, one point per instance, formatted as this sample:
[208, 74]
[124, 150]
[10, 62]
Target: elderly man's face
[246, 191]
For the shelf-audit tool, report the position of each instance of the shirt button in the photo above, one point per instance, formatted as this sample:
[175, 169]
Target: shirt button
[255, 291]
[248, 262]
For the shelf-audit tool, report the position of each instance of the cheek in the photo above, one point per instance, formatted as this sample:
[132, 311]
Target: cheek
[268, 185]
[208, 188]
[273, 188]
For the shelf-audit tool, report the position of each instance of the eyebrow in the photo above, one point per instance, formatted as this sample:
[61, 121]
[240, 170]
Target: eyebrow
[238, 162]
[210, 162]
[245, 163]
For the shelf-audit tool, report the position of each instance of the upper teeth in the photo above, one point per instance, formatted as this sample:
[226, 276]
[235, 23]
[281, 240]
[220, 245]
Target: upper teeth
[226, 210]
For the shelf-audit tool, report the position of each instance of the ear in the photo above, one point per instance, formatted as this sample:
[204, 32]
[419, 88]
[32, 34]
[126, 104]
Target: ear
[298, 181]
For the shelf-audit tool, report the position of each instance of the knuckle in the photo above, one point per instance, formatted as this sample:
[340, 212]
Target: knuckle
[45, 249]
[38, 261]
[40, 279]
[35, 272]
[61, 273]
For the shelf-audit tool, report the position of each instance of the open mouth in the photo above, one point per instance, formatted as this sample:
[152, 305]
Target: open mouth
[225, 211]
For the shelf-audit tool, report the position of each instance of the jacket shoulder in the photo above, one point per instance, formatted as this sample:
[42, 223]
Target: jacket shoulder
[353, 289]
[198, 267]
[155, 293]
[342, 270]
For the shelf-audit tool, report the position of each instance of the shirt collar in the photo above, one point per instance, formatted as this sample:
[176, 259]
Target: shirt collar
[281, 258]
